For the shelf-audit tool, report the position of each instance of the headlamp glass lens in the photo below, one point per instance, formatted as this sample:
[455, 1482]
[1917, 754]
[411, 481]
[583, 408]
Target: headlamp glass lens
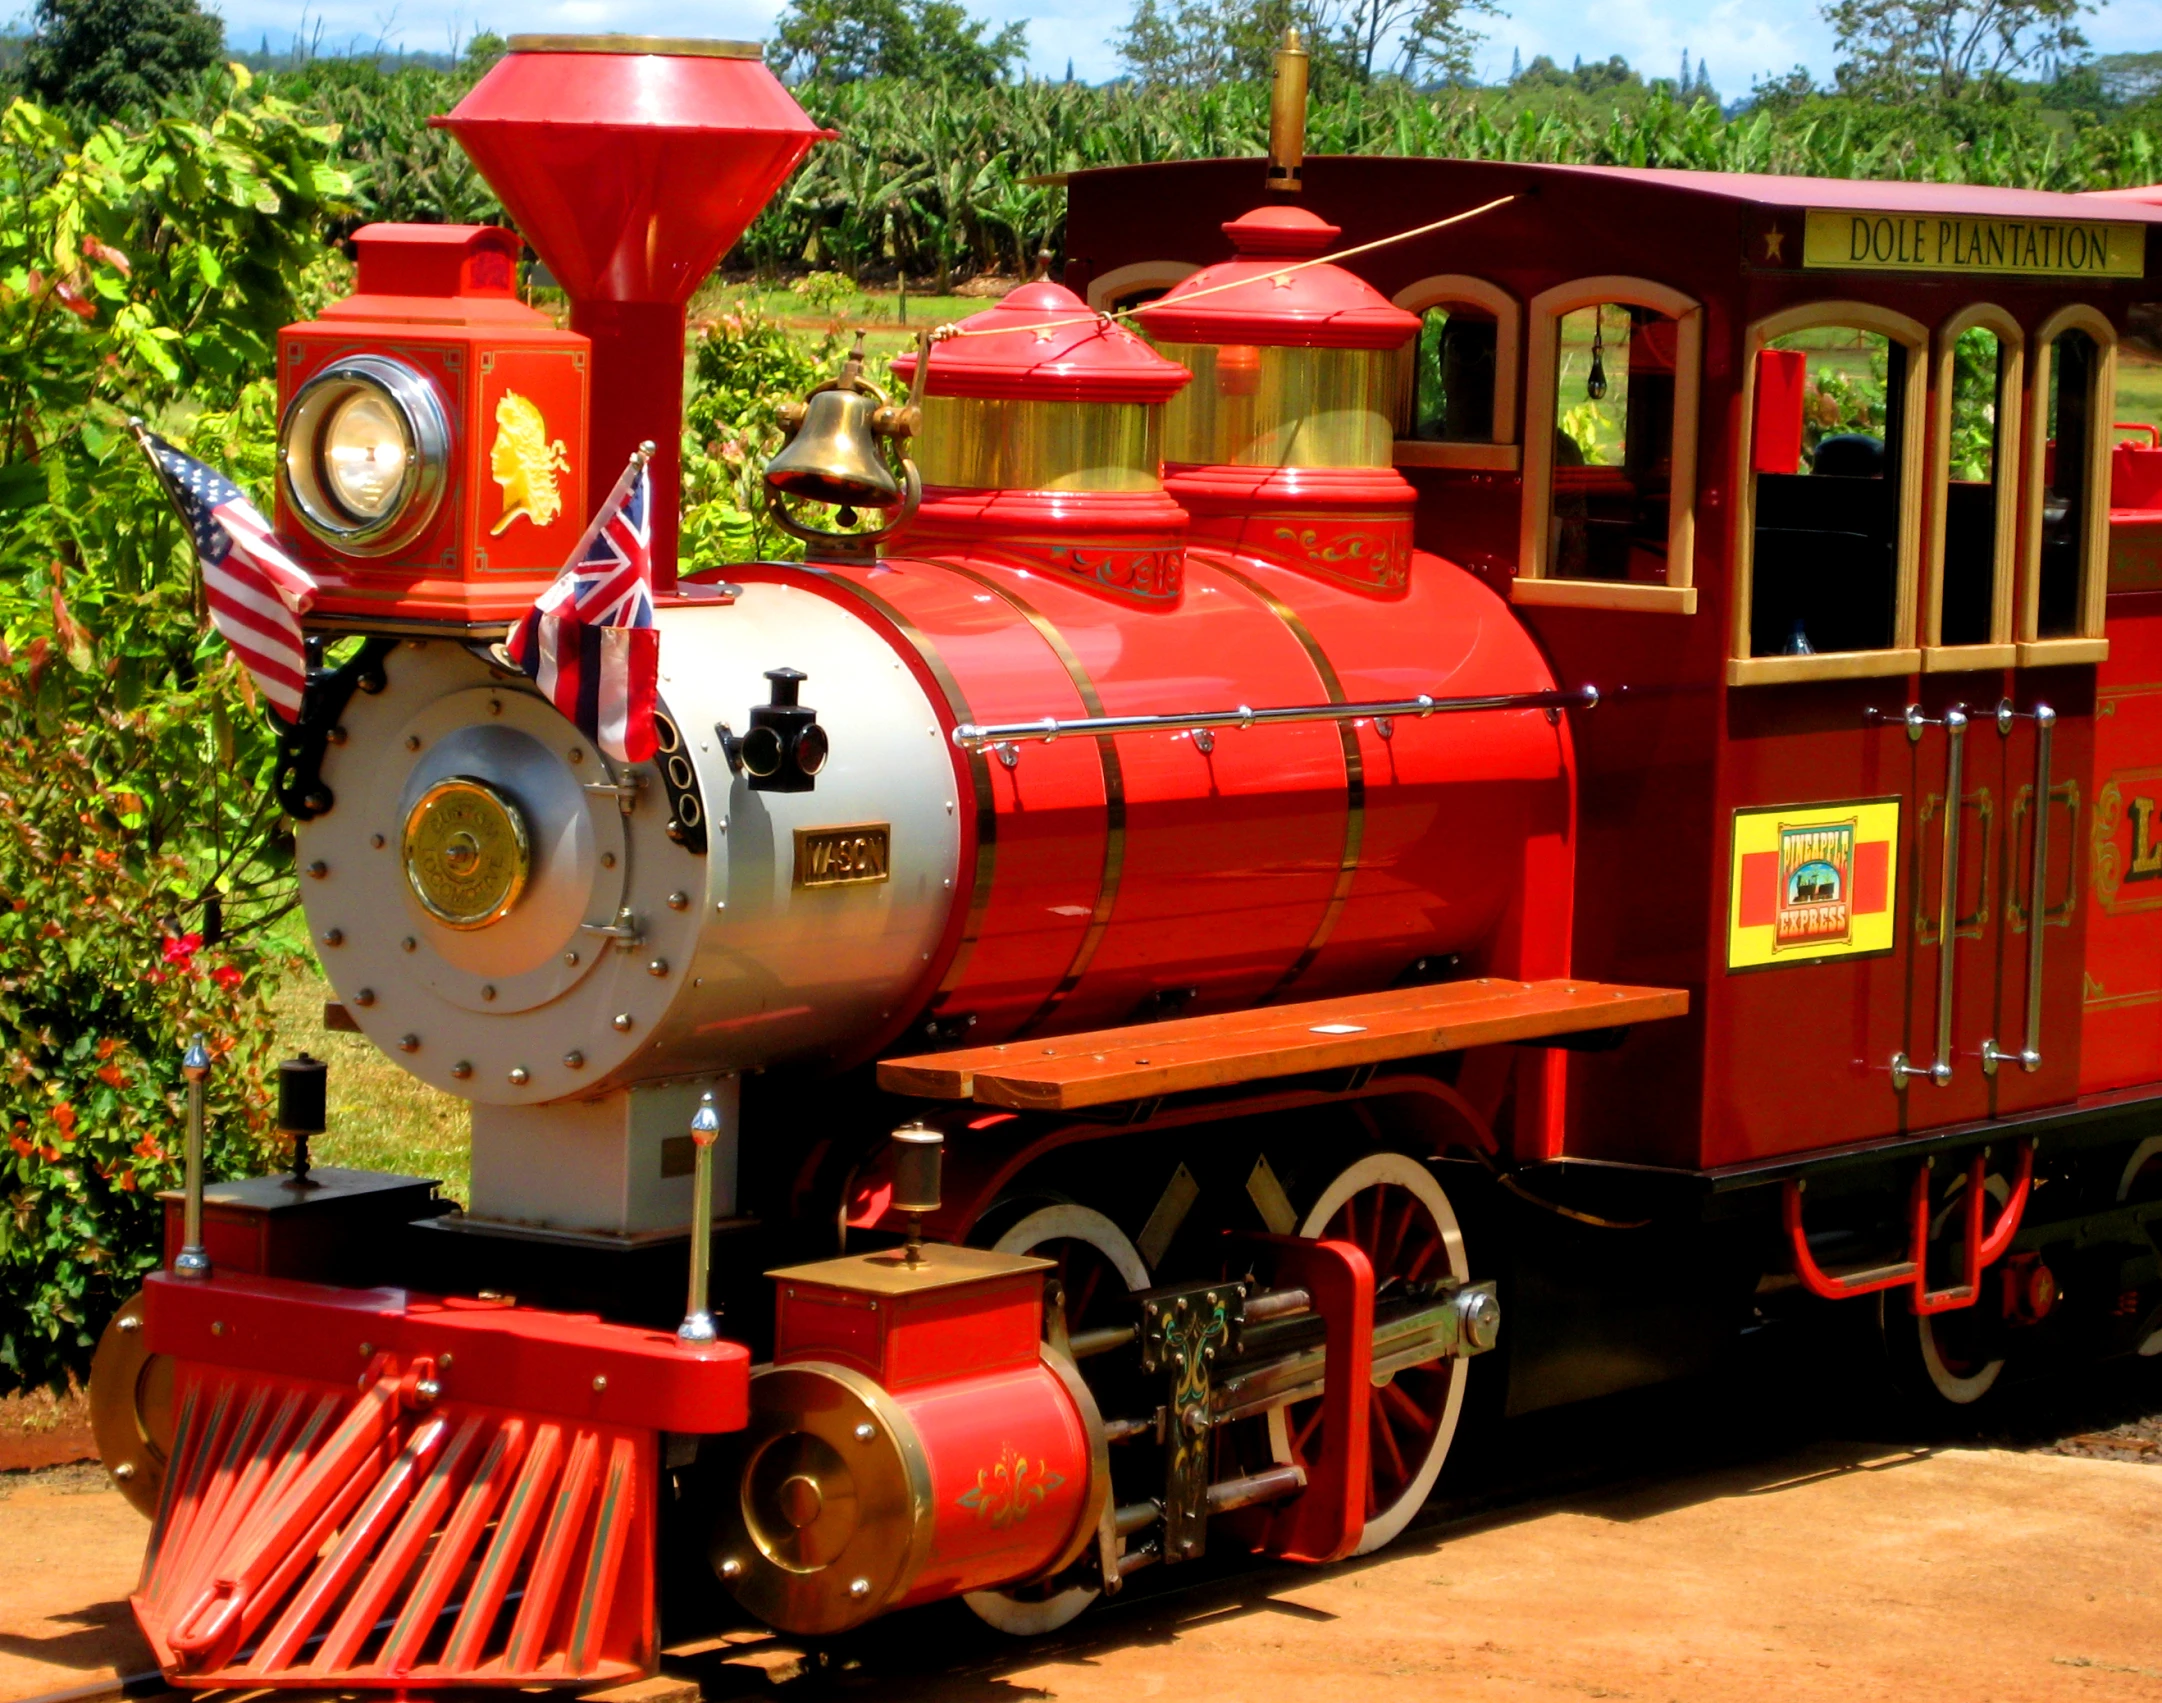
[365, 451]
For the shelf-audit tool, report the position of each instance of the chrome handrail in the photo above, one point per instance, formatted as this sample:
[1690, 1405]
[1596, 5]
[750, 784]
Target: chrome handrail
[973, 736]
[2029, 1057]
[1954, 724]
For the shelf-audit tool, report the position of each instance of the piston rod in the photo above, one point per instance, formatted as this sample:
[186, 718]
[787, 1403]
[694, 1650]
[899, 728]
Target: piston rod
[974, 736]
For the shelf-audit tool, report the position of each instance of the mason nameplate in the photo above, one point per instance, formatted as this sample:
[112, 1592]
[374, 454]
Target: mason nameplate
[842, 857]
[1912, 242]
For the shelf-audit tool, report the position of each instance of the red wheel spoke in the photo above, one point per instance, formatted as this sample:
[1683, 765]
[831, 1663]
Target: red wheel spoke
[1306, 1430]
[1079, 1295]
[1381, 1436]
[1417, 1419]
[1388, 1249]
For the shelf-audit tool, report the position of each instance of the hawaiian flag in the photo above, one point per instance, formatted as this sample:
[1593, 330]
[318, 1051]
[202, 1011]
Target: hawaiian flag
[256, 591]
[589, 641]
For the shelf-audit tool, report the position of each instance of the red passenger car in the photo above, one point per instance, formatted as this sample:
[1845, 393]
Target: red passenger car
[1612, 728]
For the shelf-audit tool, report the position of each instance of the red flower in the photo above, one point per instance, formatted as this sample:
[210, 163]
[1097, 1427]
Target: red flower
[21, 1146]
[107, 1046]
[156, 978]
[112, 1076]
[180, 951]
[64, 1116]
[226, 976]
[127, 1181]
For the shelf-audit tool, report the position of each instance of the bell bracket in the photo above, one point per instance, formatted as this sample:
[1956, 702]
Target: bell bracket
[836, 446]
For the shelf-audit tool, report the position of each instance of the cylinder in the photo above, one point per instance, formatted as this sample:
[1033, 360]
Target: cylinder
[854, 1500]
[303, 1085]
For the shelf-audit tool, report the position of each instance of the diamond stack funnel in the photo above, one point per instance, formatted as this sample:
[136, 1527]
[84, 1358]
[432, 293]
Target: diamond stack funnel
[632, 164]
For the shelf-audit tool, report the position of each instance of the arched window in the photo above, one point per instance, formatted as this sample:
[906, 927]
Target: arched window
[1828, 495]
[1973, 493]
[2065, 554]
[1612, 373]
[1458, 407]
[1129, 286]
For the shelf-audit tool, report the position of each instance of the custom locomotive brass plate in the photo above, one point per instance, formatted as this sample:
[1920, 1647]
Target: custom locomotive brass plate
[843, 857]
[466, 853]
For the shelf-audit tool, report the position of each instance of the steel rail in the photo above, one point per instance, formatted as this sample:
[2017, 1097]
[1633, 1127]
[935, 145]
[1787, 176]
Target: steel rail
[975, 736]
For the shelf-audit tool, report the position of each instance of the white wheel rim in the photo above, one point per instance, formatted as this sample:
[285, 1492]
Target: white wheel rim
[1401, 1171]
[1959, 1390]
[1027, 1617]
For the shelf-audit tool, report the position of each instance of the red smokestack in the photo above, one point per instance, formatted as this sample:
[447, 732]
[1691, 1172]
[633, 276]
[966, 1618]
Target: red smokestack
[632, 165]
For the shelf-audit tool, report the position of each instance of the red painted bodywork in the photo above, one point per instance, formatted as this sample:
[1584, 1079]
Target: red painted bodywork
[2120, 866]
[632, 174]
[443, 299]
[1797, 1059]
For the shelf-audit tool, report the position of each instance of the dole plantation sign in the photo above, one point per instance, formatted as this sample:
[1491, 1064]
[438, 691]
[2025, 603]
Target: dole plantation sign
[1842, 240]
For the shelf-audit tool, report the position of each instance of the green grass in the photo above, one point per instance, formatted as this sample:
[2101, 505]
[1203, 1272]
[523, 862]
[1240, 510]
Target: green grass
[381, 1118]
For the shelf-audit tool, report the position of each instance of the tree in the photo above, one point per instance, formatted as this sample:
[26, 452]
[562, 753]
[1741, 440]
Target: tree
[106, 55]
[1947, 50]
[847, 41]
[1200, 43]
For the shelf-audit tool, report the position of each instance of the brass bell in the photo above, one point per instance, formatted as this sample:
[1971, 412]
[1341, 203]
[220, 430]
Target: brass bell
[833, 456]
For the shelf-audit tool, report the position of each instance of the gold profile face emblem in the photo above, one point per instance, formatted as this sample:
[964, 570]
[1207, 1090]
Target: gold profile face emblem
[466, 853]
[525, 463]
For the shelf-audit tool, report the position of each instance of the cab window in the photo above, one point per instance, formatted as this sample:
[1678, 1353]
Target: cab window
[2074, 488]
[1457, 403]
[1828, 547]
[1977, 401]
[1610, 452]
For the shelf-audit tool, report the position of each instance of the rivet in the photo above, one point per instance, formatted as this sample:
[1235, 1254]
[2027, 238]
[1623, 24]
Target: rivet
[659, 967]
[130, 1323]
[376, 840]
[366, 1349]
[409, 1043]
[334, 937]
[600, 1382]
[698, 981]
[487, 990]
[318, 869]
[571, 958]
[679, 901]
[408, 944]
[495, 706]
[574, 1060]
[444, 1361]
[364, 998]
[720, 904]
[336, 736]
[577, 753]
[124, 1471]
[412, 742]
[731, 1568]
[520, 1076]
[859, 1588]
[866, 1432]
[217, 1327]
[608, 860]
[462, 1069]
[623, 1022]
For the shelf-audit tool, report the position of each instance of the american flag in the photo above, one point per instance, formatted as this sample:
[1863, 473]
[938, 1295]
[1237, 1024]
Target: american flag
[589, 641]
[256, 591]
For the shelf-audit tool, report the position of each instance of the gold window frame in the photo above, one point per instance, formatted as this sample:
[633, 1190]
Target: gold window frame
[1904, 656]
[1140, 275]
[1542, 378]
[2088, 645]
[1500, 453]
[2008, 474]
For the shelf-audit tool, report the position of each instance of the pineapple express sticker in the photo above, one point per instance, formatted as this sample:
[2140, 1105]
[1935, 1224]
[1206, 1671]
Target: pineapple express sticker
[1812, 882]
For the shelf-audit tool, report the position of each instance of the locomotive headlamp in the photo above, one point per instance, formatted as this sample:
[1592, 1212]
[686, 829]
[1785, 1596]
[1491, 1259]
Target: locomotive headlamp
[363, 454]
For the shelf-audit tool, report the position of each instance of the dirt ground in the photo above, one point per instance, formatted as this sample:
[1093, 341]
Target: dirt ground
[1834, 1571]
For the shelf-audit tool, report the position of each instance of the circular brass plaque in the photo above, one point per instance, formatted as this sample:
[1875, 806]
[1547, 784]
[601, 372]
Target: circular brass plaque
[466, 852]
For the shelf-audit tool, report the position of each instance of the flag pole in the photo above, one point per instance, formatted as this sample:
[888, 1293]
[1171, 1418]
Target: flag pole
[621, 489]
[172, 498]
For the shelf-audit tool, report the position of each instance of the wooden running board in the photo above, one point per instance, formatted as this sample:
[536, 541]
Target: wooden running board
[1148, 1060]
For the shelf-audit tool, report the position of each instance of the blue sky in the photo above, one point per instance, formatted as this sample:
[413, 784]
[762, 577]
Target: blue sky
[1742, 39]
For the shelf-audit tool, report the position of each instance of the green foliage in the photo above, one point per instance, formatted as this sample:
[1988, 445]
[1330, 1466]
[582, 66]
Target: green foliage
[143, 271]
[824, 292]
[1948, 50]
[106, 55]
[1974, 404]
[845, 41]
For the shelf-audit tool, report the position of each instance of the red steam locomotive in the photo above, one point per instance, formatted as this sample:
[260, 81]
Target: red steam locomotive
[1617, 732]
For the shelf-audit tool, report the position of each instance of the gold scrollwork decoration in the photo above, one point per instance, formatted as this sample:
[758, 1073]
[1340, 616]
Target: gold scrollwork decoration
[2056, 916]
[1009, 1490]
[1970, 926]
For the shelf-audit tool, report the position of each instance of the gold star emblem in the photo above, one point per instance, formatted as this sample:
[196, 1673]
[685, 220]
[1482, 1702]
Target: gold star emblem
[1043, 334]
[1774, 240]
[1280, 281]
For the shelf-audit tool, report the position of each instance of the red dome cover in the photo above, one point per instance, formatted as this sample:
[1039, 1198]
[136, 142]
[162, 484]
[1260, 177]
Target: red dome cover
[1323, 307]
[1031, 358]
